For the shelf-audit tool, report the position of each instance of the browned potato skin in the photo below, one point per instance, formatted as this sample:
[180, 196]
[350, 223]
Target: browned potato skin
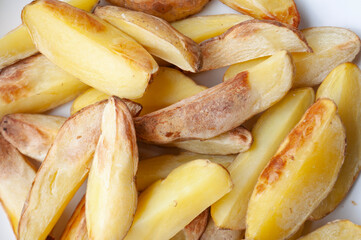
[170, 10]
[212, 232]
[195, 229]
[76, 227]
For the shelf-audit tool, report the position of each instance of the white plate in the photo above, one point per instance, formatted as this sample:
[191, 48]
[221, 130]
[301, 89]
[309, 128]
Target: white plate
[344, 13]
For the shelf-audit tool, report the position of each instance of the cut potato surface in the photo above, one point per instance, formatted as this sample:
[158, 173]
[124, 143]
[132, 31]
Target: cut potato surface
[286, 188]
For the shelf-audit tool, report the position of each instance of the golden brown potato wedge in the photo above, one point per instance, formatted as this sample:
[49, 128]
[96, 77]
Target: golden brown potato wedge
[170, 10]
[16, 177]
[286, 188]
[212, 232]
[269, 131]
[156, 35]
[195, 229]
[76, 227]
[153, 169]
[17, 44]
[201, 28]
[222, 107]
[63, 171]
[31, 134]
[168, 205]
[336, 230]
[25, 86]
[117, 65]
[343, 86]
[249, 40]
[232, 142]
[281, 10]
[111, 196]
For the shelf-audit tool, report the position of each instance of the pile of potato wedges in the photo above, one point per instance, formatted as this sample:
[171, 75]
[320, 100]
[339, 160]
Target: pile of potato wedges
[275, 145]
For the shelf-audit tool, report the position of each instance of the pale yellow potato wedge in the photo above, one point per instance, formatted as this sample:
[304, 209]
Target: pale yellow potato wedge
[281, 10]
[331, 46]
[17, 44]
[63, 171]
[222, 107]
[201, 28]
[269, 132]
[111, 196]
[232, 142]
[168, 205]
[26, 86]
[343, 86]
[156, 35]
[117, 65]
[31, 134]
[167, 87]
[336, 230]
[76, 228]
[212, 232]
[153, 169]
[249, 40]
[295, 181]
[16, 177]
[195, 229]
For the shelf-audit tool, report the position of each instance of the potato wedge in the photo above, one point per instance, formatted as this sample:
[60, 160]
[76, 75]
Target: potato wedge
[232, 142]
[336, 230]
[63, 171]
[249, 40]
[16, 177]
[212, 232]
[156, 35]
[343, 86]
[167, 87]
[286, 188]
[195, 229]
[111, 197]
[282, 10]
[201, 28]
[25, 86]
[153, 169]
[117, 64]
[31, 134]
[17, 44]
[76, 228]
[169, 10]
[168, 205]
[222, 107]
[269, 131]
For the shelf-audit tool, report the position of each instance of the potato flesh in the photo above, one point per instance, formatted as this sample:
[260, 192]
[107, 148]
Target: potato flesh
[343, 86]
[201, 28]
[17, 44]
[204, 116]
[16, 177]
[167, 206]
[63, 171]
[286, 188]
[336, 230]
[156, 35]
[25, 86]
[282, 10]
[270, 130]
[64, 34]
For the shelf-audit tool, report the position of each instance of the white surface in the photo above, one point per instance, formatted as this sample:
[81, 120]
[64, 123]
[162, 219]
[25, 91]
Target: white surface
[344, 13]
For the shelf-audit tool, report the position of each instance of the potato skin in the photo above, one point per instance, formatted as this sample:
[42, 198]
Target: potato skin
[170, 10]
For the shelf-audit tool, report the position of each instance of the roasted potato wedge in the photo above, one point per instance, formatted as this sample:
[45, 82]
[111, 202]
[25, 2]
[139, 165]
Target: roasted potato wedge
[169, 10]
[249, 40]
[117, 65]
[168, 205]
[269, 131]
[64, 169]
[17, 44]
[76, 228]
[201, 28]
[343, 86]
[212, 232]
[168, 87]
[111, 196]
[282, 10]
[25, 86]
[286, 188]
[156, 35]
[195, 229]
[16, 177]
[336, 230]
[222, 107]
